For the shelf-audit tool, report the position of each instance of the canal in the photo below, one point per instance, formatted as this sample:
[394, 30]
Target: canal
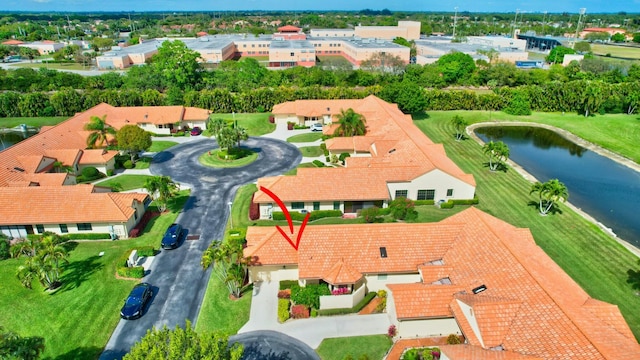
[601, 187]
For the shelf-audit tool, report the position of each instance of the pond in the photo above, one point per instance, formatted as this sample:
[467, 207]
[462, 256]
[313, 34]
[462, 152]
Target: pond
[601, 187]
[9, 138]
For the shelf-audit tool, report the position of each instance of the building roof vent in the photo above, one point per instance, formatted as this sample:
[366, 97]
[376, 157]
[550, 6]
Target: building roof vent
[479, 289]
[383, 252]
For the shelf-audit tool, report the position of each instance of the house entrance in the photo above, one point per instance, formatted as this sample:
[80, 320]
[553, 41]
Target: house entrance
[354, 206]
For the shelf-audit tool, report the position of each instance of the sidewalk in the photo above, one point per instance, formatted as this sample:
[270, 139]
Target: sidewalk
[264, 314]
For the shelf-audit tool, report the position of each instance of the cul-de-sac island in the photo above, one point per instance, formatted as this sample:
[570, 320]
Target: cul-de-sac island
[313, 185]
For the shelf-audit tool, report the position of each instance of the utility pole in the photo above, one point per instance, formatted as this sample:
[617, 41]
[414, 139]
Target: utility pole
[582, 12]
[513, 34]
[455, 20]
[543, 23]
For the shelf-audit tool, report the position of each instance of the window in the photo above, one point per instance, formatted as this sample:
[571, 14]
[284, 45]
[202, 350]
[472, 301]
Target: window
[426, 194]
[316, 206]
[297, 205]
[84, 227]
[63, 228]
[401, 193]
[336, 205]
[382, 276]
[39, 228]
[449, 192]
[292, 54]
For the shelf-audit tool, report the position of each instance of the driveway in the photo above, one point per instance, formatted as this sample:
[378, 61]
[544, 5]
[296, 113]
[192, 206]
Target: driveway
[176, 275]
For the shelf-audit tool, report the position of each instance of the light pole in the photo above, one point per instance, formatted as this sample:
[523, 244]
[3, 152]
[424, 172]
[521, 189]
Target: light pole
[455, 19]
[230, 215]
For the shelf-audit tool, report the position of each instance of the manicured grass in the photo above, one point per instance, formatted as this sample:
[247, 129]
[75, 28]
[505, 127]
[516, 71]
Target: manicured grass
[616, 132]
[294, 171]
[311, 151]
[219, 313]
[65, 66]
[211, 159]
[256, 123]
[143, 163]
[125, 182]
[10, 122]
[303, 138]
[617, 51]
[78, 319]
[373, 346]
[161, 145]
[592, 258]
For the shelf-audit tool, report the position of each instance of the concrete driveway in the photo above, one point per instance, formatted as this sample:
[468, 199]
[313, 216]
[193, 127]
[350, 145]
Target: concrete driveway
[176, 275]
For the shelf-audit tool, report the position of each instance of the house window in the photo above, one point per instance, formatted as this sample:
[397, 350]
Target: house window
[336, 205]
[426, 194]
[39, 228]
[84, 227]
[401, 193]
[297, 205]
[292, 54]
[63, 228]
[316, 206]
[449, 192]
[382, 276]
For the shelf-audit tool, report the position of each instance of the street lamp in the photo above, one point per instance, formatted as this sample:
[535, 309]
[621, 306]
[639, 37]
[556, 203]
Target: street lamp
[230, 216]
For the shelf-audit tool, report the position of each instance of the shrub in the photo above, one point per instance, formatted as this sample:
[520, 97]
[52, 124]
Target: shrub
[109, 172]
[4, 248]
[382, 305]
[136, 272]
[447, 205]
[288, 284]
[391, 332]
[453, 339]
[473, 201]
[340, 291]
[343, 157]
[146, 251]
[384, 211]
[283, 310]
[318, 163]
[299, 311]
[424, 202]
[314, 313]
[411, 354]
[382, 293]
[370, 215]
[88, 236]
[179, 133]
[314, 215]
[323, 146]
[327, 159]
[403, 209]
[90, 173]
[309, 295]
[284, 294]
[334, 159]
[254, 210]
[128, 164]
[519, 105]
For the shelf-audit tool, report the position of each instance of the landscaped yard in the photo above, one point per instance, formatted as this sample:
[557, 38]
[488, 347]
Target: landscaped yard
[10, 122]
[307, 137]
[311, 151]
[143, 163]
[302, 165]
[212, 159]
[256, 123]
[125, 182]
[374, 347]
[78, 319]
[219, 313]
[161, 145]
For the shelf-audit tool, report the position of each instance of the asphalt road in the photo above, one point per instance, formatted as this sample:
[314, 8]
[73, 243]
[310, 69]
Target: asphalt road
[272, 345]
[178, 280]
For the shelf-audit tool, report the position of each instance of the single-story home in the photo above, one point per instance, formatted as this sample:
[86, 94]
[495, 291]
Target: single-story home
[470, 274]
[392, 159]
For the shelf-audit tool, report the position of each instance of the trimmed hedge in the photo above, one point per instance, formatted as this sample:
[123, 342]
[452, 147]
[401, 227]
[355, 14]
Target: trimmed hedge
[87, 236]
[447, 205]
[318, 163]
[367, 299]
[287, 284]
[146, 251]
[424, 202]
[136, 272]
[474, 201]
[283, 310]
[315, 215]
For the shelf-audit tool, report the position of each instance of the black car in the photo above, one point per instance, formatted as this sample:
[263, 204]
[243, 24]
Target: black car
[136, 301]
[171, 238]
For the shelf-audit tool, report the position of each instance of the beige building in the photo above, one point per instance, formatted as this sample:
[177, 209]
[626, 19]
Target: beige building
[45, 47]
[410, 30]
[508, 50]
[287, 53]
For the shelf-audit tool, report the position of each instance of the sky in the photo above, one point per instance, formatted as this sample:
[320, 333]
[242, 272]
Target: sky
[539, 6]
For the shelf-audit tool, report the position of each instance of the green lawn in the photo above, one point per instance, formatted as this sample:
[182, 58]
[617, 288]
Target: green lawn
[143, 163]
[78, 319]
[125, 182]
[617, 51]
[65, 66]
[161, 145]
[591, 257]
[307, 137]
[257, 124]
[374, 347]
[294, 171]
[211, 159]
[219, 313]
[10, 122]
[311, 151]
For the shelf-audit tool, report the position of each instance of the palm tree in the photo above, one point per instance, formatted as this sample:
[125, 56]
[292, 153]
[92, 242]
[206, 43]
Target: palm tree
[59, 167]
[239, 133]
[549, 193]
[350, 123]
[215, 126]
[459, 123]
[226, 138]
[99, 131]
[54, 254]
[161, 189]
[228, 265]
[498, 152]
[28, 272]
[28, 247]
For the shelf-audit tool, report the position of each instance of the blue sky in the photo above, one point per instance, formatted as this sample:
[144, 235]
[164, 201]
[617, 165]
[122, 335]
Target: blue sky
[552, 6]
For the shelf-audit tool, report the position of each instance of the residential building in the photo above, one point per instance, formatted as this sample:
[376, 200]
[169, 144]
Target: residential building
[393, 159]
[471, 274]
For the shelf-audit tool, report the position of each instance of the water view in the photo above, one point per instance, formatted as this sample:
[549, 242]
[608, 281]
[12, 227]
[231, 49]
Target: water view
[9, 138]
[606, 190]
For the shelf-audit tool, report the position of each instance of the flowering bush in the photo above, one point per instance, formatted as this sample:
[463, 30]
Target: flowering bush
[392, 331]
[403, 209]
[299, 312]
[340, 291]
[284, 294]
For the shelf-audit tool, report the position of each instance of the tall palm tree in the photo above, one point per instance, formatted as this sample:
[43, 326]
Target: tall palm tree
[239, 133]
[99, 131]
[350, 123]
[53, 254]
[498, 152]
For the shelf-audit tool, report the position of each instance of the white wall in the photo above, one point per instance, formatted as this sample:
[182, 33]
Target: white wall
[266, 209]
[427, 328]
[273, 273]
[468, 314]
[375, 282]
[435, 180]
[343, 301]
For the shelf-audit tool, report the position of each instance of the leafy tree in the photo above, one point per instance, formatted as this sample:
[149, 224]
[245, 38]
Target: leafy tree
[498, 153]
[133, 139]
[177, 64]
[407, 94]
[226, 138]
[636, 37]
[556, 55]
[582, 47]
[383, 63]
[100, 131]
[350, 123]
[100, 44]
[549, 193]
[618, 38]
[229, 266]
[597, 36]
[165, 344]
[492, 54]
[456, 66]
[14, 346]
[459, 123]
[161, 189]
[215, 125]
[67, 102]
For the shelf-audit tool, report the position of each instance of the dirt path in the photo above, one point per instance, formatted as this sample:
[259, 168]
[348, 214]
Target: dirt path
[577, 140]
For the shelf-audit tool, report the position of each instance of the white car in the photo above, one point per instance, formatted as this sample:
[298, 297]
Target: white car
[316, 127]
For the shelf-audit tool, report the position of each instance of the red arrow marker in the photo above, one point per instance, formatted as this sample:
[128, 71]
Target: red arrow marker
[287, 216]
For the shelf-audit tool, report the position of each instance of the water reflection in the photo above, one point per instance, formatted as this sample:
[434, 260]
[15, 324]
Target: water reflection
[10, 138]
[608, 191]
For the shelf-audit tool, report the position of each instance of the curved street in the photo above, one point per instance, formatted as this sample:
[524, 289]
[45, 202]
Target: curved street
[176, 276]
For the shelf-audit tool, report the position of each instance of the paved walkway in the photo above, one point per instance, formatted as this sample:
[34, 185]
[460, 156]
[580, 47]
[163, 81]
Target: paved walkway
[264, 314]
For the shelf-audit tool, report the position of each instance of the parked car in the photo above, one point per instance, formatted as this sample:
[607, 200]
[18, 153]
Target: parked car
[196, 131]
[316, 127]
[171, 238]
[136, 301]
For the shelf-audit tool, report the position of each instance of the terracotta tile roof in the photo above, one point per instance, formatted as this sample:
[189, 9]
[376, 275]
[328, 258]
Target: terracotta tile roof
[194, 113]
[64, 205]
[120, 116]
[65, 156]
[466, 352]
[414, 301]
[97, 156]
[32, 163]
[341, 274]
[12, 42]
[494, 316]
